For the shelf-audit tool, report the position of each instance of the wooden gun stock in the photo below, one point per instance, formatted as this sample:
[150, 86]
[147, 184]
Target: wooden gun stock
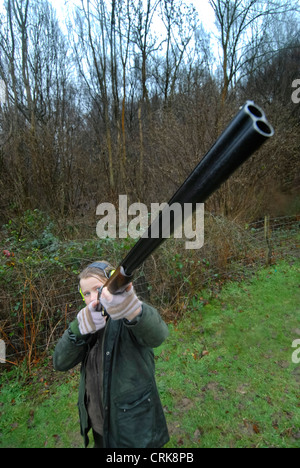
[119, 281]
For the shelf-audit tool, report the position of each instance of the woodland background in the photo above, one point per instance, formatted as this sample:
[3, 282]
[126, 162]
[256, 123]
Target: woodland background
[103, 102]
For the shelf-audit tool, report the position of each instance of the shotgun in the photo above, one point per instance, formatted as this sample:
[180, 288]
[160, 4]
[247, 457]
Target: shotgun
[247, 131]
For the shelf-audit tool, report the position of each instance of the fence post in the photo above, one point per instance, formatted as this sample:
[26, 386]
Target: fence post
[267, 232]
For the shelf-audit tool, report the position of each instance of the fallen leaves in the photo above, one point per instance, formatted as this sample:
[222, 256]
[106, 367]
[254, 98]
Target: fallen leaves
[249, 427]
[199, 355]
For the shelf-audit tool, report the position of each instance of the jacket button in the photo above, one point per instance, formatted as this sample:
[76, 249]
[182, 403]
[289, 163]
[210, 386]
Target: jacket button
[107, 353]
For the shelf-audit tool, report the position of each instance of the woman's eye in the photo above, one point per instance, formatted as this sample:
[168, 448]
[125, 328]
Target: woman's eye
[86, 294]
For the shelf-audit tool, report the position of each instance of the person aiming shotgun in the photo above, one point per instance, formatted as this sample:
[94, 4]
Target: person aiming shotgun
[118, 397]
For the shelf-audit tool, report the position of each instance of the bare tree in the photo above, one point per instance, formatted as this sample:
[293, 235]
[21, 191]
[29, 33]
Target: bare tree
[33, 66]
[243, 25]
[125, 24]
[144, 39]
[180, 22]
[92, 54]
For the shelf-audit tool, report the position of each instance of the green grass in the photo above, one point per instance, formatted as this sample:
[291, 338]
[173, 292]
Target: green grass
[225, 375]
[37, 412]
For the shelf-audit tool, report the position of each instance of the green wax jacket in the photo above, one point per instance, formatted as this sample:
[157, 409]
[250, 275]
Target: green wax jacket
[133, 414]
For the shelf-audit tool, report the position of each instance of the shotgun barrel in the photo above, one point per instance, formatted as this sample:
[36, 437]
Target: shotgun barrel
[248, 130]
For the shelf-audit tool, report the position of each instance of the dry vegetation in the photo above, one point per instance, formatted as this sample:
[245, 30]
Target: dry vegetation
[106, 106]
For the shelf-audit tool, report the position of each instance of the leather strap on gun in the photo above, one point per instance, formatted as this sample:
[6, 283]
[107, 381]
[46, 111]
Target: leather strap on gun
[248, 130]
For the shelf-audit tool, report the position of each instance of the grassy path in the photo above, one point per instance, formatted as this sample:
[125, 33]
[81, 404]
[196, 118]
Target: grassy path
[227, 375]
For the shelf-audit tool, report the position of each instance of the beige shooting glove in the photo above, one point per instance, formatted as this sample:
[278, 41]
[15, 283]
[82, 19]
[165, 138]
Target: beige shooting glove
[89, 320]
[120, 306]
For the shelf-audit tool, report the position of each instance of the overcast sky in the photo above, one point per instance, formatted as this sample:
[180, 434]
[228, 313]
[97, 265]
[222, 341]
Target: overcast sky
[206, 14]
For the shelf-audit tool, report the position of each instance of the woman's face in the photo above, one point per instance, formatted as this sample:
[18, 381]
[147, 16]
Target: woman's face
[89, 288]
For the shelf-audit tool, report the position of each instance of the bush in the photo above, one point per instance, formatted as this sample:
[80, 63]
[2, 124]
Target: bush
[39, 267]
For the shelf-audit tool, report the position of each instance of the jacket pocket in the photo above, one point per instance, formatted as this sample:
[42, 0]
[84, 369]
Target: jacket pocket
[135, 415]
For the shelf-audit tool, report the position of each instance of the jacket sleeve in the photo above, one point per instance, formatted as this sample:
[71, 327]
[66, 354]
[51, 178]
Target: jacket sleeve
[149, 329]
[70, 349]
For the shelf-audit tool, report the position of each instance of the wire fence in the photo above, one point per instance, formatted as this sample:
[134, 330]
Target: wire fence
[40, 297]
